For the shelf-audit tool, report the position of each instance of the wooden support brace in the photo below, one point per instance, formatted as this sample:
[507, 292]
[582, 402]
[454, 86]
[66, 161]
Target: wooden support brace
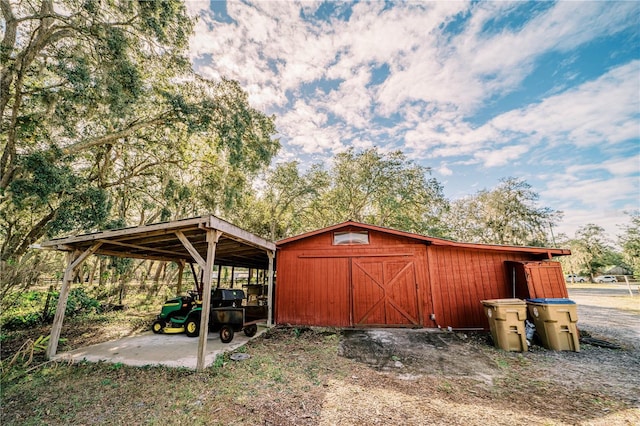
[74, 259]
[191, 249]
[212, 240]
[270, 254]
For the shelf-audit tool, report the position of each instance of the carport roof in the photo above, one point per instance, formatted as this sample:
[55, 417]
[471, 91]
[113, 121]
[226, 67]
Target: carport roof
[165, 241]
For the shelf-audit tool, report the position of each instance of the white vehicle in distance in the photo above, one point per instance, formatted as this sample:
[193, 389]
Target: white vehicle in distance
[606, 279]
[573, 278]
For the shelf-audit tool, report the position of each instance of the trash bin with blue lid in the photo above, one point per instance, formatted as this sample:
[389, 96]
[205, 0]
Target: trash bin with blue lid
[555, 321]
[506, 322]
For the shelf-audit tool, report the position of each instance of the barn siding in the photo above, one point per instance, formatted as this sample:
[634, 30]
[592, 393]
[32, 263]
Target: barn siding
[315, 281]
[538, 279]
[461, 278]
[312, 291]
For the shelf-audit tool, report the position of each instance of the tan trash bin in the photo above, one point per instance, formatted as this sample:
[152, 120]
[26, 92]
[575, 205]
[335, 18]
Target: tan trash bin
[506, 321]
[555, 321]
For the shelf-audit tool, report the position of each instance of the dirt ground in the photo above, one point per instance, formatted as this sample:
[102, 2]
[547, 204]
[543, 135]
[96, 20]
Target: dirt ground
[294, 376]
[555, 381]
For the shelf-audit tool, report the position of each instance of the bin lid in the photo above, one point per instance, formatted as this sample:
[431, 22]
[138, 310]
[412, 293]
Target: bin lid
[494, 302]
[552, 301]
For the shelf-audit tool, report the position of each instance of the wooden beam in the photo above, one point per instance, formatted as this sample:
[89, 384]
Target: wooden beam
[134, 232]
[239, 234]
[135, 246]
[271, 254]
[142, 256]
[192, 251]
[180, 272]
[74, 259]
[219, 276]
[212, 240]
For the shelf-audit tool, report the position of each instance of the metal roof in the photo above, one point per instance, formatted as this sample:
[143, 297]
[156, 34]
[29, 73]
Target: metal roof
[165, 241]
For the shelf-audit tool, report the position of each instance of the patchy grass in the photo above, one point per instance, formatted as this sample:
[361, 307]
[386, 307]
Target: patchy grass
[293, 376]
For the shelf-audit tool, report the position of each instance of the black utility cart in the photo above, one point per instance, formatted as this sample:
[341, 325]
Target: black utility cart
[229, 316]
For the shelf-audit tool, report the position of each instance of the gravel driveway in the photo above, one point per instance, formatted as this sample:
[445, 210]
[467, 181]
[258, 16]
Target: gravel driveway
[608, 322]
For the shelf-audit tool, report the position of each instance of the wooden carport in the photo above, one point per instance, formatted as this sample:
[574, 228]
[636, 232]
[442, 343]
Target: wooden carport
[205, 240]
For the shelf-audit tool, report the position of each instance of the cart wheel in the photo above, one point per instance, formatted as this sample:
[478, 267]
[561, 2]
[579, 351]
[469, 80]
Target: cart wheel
[157, 326]
[226, 334]
[192, 327]
[250, 330]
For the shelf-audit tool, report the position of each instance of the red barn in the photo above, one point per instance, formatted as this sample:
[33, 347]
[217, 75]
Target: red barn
[359, 275]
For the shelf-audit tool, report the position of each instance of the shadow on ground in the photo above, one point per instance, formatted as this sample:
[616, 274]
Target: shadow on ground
[420, 351]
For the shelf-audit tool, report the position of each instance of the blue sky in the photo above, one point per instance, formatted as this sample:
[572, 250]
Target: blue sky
[478, 91]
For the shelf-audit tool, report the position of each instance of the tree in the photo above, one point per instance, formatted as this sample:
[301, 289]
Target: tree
[289, 194]
[590, 251]
[102, 117]
[630, 243]
[505, 215]
[381, 189]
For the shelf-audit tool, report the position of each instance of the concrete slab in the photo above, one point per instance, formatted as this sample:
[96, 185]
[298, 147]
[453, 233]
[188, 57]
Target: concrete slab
[170, 350]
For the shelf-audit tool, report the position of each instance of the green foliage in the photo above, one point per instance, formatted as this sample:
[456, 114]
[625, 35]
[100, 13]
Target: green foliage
[103, 118]
[591, 251]
[27, 309]
[368, 186]
[25, 312]
[385, 190]
[79, 302]
[218, 363]
[22, 321]
[507, 214]
[630, 243]
[287, 200]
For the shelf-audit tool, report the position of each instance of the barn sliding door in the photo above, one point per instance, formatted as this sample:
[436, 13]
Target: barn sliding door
[384, 291]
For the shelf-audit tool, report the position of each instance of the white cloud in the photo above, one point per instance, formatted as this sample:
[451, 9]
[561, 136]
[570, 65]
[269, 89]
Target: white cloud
[604, 110]
[595, 193]
[437, 83]
[617, 167]
[306, 128]
[475, 66]
[610, 220]
[197, 7]
[501, 156]
[444, 170]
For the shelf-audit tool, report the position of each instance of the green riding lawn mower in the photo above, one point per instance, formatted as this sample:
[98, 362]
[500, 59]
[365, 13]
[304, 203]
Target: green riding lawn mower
[182, 314]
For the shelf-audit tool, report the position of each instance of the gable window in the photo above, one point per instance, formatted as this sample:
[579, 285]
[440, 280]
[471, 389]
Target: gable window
[350, 238]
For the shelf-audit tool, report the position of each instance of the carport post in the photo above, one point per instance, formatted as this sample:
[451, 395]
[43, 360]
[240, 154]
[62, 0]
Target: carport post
[270, 290]
[180, 272]
[212, 241]
[74, 259]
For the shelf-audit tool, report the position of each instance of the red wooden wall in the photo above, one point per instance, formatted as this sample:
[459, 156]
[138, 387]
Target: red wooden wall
[538, 279]
[397, 281]
[375, 284]
[461, 278]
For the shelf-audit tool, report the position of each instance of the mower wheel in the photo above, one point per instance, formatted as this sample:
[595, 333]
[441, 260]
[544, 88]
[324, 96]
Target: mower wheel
[226, 334]
[157, 326]
[192, 327]
[250, 330]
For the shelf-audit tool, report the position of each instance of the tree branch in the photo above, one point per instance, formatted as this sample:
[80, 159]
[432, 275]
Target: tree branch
[112, 137]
